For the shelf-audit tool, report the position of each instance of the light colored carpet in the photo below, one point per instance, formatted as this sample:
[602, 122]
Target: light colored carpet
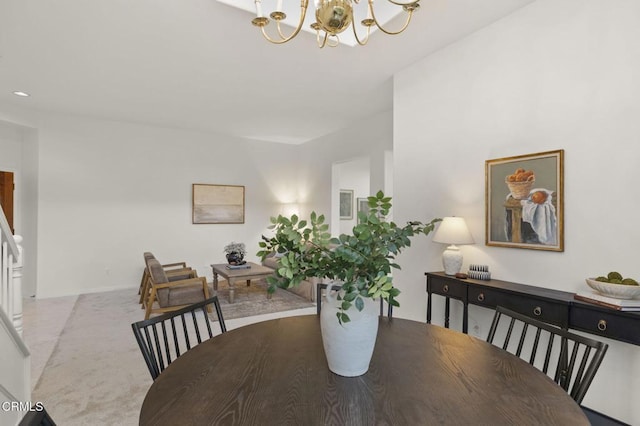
[96, 374]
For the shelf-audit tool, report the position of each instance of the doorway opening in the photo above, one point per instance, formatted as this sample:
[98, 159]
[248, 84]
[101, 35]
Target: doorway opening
[6, 196]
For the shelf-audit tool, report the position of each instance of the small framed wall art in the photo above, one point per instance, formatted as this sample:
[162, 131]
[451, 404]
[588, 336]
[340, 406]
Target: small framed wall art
[363, 206]
[217, 203]
[346, 204]
[524, 201]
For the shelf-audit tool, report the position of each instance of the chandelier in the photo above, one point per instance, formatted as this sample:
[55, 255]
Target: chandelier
[332, 18]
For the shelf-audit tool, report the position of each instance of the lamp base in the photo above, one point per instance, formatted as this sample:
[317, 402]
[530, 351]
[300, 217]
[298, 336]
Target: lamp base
[452, 260]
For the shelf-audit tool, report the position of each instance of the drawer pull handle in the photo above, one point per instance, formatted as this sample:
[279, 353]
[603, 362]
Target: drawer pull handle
[445, 288]
[602, 325]
[481, 297]
[537, 311]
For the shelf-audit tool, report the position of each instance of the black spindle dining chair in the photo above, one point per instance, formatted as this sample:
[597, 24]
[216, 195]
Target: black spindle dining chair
[164, 338]
[574, 359]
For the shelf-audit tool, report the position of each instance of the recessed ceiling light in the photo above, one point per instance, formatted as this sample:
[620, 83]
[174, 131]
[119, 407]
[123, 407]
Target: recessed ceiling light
[19, 93]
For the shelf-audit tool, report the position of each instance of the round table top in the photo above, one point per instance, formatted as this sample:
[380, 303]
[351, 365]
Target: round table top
[275, 373]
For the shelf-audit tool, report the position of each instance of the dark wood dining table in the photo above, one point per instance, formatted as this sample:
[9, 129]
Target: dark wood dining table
[275, 373]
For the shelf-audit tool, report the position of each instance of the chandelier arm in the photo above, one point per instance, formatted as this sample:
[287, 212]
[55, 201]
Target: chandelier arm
[322, 43]
[303, 12]
[355, 33]
[406, 24]
[282, 36]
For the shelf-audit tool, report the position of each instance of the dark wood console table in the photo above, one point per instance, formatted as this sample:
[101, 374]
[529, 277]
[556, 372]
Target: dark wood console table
[552, 306]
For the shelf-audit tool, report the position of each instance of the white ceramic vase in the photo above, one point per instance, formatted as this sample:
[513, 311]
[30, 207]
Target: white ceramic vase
[349, 346]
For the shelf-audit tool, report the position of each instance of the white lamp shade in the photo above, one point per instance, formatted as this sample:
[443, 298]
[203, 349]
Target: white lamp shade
[452, 230]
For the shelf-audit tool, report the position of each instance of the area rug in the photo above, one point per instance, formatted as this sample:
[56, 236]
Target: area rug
[96, 374]
[252, 300]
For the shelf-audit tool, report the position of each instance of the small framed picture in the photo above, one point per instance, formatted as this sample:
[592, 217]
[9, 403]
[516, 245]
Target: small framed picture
[363, 206]
[524, 201]
[346, 204]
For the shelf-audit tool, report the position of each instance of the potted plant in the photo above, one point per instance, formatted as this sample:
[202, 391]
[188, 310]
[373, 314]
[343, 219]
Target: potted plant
[361, 263]
[235, 253]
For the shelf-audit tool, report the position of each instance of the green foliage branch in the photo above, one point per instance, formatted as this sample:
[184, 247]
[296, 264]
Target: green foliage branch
[362, 261]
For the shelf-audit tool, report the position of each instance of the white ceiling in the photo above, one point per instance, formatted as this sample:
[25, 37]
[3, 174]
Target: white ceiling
[200, 64]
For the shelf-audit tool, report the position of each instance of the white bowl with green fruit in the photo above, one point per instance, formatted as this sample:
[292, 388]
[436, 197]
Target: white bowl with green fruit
[615, 285]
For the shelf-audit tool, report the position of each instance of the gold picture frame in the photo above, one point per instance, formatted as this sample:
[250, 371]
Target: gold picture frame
[217, 203]
[524, 201]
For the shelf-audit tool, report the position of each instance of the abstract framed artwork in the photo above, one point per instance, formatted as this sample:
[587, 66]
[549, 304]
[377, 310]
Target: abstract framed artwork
[217, 203]
[524, 201]
[346, 204]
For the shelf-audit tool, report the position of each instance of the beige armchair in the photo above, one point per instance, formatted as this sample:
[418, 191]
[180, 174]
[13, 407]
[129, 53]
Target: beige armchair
[166, 295]
[174, 271]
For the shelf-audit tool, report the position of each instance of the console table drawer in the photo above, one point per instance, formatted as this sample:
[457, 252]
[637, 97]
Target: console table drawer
[448, 288]
[603, 322]
[543, 310]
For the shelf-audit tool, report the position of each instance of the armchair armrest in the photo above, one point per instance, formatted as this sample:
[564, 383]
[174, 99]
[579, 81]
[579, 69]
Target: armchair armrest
[178, 283]
[173, 265]
[176, 274]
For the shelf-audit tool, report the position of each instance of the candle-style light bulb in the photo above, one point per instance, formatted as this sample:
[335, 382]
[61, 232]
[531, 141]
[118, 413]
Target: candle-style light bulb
[279, 6]
[258, 8]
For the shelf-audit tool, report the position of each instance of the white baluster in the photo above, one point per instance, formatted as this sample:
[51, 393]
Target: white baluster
[4, 279]
[17, 286]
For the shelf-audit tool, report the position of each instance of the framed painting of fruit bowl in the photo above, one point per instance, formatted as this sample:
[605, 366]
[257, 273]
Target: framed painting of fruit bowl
[524, 201]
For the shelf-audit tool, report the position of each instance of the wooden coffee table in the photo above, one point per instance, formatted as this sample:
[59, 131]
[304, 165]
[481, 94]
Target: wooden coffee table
[233, 275]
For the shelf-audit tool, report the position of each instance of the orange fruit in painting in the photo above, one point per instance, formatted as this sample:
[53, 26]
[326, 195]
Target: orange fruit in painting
[539, 197]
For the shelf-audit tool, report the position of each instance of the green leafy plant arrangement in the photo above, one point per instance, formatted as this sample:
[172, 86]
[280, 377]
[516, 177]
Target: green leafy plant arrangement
[362, 261]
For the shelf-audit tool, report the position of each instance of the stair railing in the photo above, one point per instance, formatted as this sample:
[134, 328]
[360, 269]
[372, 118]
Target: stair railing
[10, 273]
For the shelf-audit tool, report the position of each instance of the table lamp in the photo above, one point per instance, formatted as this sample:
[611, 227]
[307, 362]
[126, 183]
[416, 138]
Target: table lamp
[452, 230]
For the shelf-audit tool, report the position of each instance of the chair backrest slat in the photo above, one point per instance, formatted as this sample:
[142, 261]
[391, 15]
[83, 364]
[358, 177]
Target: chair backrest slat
[156, 345]
[147, 349]
[509, 331]
[204, 312]
[576, 360]
[195, 326]
[583, 366]
[223, 327]
[165, 340]
[548, 353]
[176, 343]
[523, 336]
[185, 330]
[534, 349]
[157, 351]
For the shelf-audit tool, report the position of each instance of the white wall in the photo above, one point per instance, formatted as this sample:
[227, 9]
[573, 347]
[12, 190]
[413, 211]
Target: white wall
[554, 75]
[101, 192]
[370, 138]
[350, 175]
[108, 191]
